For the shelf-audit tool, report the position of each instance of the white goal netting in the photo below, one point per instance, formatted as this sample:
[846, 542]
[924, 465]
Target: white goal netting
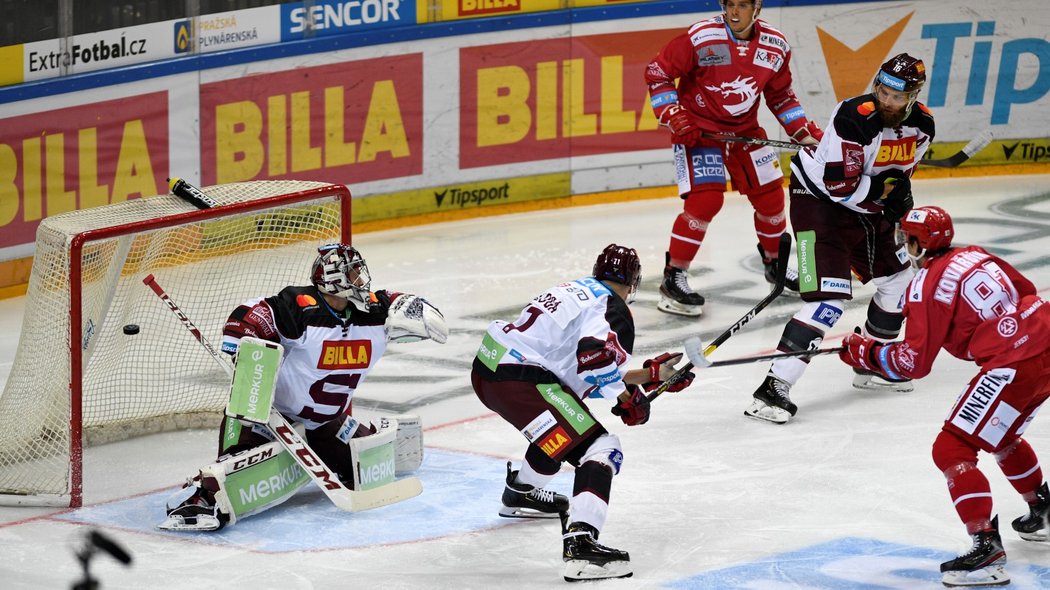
[160, 378]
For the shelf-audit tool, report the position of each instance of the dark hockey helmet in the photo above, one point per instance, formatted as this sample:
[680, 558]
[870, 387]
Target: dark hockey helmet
[931, 227]
[903, 73]
[340, 270]
[619, 264]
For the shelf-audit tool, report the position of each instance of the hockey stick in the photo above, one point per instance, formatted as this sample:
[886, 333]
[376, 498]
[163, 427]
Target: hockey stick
[975, 145]
[344, 498]
[784, 251]
[692, 350]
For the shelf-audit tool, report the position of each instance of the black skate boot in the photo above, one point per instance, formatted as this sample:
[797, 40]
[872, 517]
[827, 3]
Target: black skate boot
[524, 501]
[770, 264]
[676, 296]
[771, 401]
[586, 559]
[1035, 526]
[983, 565]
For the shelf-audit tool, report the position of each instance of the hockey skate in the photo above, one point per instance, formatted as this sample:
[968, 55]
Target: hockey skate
[867, 380]
[771, 402]
[983, 565]
[586, 559]
[675, 294]
[195, 514]
[524, 501]
[770, 265]
[1035, 526]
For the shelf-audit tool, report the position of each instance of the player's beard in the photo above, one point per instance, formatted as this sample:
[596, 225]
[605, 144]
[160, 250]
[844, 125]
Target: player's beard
[892, 117]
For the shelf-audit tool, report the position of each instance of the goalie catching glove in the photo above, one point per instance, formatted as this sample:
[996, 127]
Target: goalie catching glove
[413, 318]
[662, 368]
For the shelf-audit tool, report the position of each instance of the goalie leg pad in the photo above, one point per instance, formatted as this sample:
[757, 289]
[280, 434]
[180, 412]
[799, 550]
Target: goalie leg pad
[244, 484]
[372, 457]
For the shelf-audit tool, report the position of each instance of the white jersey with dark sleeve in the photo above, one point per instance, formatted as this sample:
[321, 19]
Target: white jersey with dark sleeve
[856, 149]
[327, 354]
[581, 331]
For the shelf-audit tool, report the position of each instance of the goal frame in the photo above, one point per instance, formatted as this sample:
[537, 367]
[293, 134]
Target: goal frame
[76, 247]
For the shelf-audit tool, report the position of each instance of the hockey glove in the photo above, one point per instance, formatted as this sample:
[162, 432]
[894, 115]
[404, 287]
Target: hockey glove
[632, 406]
[860, 352]
[808, 134]
[662, 368]
[898, 201]
[681, 124]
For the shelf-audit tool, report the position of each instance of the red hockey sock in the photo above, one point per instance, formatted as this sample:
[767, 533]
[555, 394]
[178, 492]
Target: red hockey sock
[690, 226]
[1021, 467]
[770, 218]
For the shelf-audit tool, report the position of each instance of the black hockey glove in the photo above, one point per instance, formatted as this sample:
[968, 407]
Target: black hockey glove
[899, 200]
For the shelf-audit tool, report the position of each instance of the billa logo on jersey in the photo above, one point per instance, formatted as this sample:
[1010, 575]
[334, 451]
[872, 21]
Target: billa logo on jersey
[896, 151]
[345, 354]
[553, 442]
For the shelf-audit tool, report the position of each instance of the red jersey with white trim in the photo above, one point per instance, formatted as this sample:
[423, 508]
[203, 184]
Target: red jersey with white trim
[856, 148]
[327, 354]
[581, 331]
[720, 78]
[973, 305]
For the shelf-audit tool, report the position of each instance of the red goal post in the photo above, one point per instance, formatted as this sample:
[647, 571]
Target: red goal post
[78, 378]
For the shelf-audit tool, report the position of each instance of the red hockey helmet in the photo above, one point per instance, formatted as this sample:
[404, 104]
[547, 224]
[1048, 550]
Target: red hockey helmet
[930, 226]
[340, 270]
[619, 264]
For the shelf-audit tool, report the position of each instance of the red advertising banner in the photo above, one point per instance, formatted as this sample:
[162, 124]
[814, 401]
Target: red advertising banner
[557, 98]
[80, 157]
[347, 122]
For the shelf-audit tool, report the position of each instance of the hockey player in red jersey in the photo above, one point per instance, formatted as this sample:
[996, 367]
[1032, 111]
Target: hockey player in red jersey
[570, 343]
[977, 307]
[723, 65]
[334, 331]
[847, 193]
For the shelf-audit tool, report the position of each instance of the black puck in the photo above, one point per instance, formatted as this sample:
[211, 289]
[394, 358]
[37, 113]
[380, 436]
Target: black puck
[131, 329]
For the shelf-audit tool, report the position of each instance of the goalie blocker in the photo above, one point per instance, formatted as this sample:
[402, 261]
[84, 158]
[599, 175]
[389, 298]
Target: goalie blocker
[263, 477]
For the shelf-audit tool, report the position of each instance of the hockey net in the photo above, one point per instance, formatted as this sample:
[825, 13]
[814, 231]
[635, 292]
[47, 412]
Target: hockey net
[78, 378]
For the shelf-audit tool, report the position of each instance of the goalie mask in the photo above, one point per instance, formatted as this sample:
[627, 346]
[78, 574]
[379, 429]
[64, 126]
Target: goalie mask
[619, 265]
[930, 227]
[341, 271]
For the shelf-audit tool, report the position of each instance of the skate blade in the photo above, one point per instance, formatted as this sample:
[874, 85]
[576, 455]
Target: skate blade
[1038, 536]
[579, 570]
[993, 575]
[204, 524]
[671, 306]
[760, 410]
[508, 512]
[873, 383]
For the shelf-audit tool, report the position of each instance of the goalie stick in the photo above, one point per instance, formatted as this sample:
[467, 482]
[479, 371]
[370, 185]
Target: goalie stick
[978, 143]
[784, 251]
[344, 498]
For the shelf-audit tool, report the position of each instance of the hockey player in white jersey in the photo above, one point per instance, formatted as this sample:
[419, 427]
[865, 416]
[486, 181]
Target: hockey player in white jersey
[333, 331]
[570, 343]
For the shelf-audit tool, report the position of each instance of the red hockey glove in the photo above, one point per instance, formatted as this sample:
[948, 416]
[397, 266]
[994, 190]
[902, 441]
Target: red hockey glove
[632, 406]
[681, 124]
[808, 134]
[662, 368]
[860, 353]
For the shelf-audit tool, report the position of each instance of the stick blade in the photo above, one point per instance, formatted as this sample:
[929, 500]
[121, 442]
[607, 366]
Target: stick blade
[694, 351]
